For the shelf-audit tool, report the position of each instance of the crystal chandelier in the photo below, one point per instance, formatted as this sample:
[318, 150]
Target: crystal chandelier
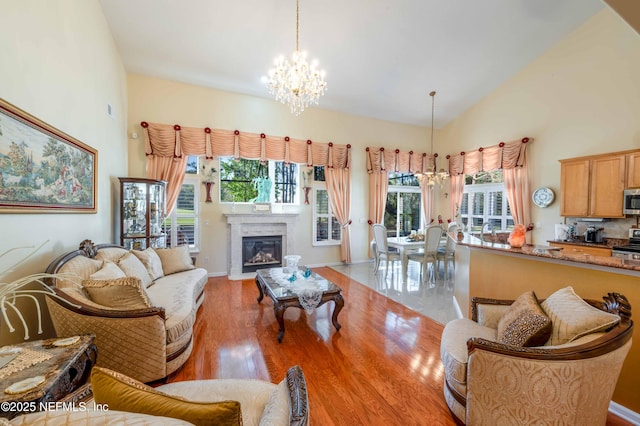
[431, 177]
[296, 83]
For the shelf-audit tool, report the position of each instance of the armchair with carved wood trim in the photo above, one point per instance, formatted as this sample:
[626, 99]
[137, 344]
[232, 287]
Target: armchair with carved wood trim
[488, 382]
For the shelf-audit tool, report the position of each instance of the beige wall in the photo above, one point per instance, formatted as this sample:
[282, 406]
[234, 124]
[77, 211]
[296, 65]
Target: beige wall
[163, 101]
[580, 97]
[59, 63]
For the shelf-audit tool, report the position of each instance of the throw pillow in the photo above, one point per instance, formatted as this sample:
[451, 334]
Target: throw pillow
[572, 317]
[175, 259]
[123, 393]
[121, 293]
[524, 323]
[151, 261]
[109, 271]
[276, 411]
[133, 267]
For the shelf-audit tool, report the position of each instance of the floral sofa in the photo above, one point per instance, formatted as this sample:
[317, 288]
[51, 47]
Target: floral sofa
[520, 362]
[140, 305]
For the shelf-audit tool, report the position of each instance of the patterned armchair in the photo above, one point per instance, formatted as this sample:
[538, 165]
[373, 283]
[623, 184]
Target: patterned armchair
[558, 382]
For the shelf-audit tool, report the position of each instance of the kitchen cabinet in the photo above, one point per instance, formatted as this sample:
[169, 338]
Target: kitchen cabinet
[578, 249]
[142, 213]
[574, 188]
[593, 186]
[633, 170]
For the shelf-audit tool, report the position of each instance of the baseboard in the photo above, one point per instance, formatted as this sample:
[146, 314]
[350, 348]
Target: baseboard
[217, 274]
[624, 413]
[456, 305]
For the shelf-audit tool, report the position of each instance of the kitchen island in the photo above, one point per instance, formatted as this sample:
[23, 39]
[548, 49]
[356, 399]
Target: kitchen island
[496, 270]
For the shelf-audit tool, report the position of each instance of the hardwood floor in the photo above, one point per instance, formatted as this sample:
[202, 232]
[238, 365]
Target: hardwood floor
[382, 367]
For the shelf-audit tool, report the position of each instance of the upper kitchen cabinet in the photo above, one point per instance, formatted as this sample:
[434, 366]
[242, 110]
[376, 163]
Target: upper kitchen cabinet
[593, 186]
[633, 170]
[574, 188]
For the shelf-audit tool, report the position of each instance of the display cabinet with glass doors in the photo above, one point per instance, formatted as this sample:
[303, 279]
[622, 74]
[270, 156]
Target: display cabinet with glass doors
[142, 213]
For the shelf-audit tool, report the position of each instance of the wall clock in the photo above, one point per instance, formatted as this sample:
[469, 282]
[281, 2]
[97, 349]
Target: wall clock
[543, 197]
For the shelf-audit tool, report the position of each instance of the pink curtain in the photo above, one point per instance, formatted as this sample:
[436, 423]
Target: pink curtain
[339, 192]
[378, 189]
[171, 170]
[516, 182]
[457, 189]
[427, 202]
[167, 140]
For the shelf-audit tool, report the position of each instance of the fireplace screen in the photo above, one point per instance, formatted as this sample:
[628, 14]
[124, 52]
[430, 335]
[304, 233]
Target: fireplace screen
[261, 252]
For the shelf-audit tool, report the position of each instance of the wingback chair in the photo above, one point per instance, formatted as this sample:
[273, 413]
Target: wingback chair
[492, 383]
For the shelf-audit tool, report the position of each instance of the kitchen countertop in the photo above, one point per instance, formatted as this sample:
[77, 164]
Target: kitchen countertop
[548, 252]
[607, 242]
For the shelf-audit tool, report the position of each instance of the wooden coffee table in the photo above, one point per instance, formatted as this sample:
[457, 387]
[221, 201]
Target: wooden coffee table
[285, 297]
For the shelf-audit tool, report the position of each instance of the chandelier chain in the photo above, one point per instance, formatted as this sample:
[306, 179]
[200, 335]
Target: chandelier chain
[297, 23]
[432, 176]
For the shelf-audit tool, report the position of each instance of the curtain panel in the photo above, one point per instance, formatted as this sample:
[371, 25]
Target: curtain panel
[508, 156]
[339, 192]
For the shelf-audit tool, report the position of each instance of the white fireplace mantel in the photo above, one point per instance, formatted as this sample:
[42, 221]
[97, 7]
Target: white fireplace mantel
[255, 225]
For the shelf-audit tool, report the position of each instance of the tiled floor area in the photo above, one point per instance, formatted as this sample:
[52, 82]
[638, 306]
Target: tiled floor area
[434, 300]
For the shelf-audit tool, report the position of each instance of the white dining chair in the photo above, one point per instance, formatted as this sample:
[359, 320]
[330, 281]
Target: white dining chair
[447, 254]
[382, 248]
[429, 255]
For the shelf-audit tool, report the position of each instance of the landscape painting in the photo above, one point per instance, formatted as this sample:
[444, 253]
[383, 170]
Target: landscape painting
[43, 170]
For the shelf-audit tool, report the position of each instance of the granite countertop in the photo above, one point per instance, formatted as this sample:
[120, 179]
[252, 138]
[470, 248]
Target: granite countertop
[551, 253]
[607, 242]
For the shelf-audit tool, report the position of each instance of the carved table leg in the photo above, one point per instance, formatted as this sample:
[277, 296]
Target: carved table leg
[261, 295]
[279, 310]
[339, 301]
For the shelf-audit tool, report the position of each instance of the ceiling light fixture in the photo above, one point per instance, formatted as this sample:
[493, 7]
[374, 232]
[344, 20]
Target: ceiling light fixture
[296, 84]
[431, 176]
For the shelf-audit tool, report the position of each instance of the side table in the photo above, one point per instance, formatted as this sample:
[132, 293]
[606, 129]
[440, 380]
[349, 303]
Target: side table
[65, 369]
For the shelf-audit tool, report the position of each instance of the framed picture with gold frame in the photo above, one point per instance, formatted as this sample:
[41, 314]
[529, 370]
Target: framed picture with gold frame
[42, 169]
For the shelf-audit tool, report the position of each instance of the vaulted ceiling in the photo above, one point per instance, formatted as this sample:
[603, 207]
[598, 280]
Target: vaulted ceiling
[382, 57]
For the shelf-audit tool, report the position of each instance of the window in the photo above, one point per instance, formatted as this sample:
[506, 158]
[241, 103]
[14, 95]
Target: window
[182, 225]
[326, 229]
[236, 180]
[404, 203]
[484, 200]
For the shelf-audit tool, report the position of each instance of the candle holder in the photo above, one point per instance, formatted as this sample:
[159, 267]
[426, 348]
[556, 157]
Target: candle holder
[208, 186]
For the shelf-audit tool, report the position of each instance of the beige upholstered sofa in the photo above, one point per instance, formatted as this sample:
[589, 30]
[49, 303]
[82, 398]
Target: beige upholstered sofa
[146, 340]
[261, 403]
[569, 379]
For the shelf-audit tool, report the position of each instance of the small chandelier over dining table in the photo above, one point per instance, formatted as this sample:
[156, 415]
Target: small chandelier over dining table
[431, 176]
[296, 83]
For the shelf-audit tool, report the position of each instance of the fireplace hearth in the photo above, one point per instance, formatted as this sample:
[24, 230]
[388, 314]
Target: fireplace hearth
[261, 252]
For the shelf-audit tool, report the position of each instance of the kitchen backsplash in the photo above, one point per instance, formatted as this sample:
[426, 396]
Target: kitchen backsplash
[613, 228]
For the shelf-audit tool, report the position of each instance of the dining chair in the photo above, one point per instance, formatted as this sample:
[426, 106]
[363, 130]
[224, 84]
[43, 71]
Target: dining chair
[446, 254]
[429, 255]
[382, 251]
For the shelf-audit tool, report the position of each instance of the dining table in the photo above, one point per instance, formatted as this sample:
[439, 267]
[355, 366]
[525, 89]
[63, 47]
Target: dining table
[405, 246]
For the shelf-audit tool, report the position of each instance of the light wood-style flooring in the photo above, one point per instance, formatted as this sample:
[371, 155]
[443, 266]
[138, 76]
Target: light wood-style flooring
[382, 368]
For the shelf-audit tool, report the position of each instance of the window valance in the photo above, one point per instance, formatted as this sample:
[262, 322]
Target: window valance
[380, 160]
[166, 140]
[505, 155]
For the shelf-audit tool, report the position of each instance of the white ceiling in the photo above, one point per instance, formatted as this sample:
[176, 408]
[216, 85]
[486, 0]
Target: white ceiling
[382, 57]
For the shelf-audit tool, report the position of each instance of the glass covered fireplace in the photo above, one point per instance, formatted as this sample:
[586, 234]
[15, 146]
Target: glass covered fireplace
[261, 252]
